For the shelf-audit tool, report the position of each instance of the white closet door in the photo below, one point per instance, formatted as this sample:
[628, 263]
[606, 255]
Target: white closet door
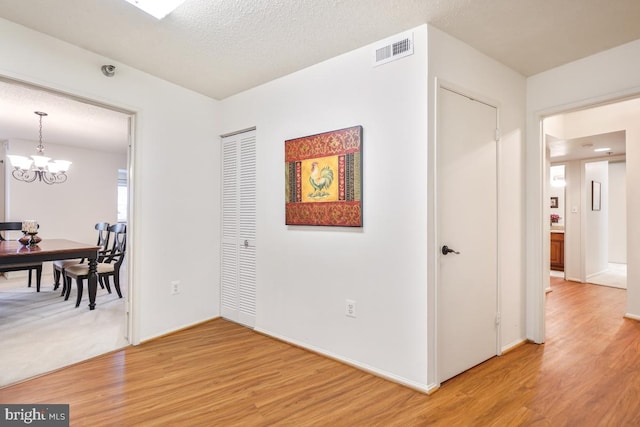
[238, 276]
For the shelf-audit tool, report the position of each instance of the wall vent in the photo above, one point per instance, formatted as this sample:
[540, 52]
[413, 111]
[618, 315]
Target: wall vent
[393, 48]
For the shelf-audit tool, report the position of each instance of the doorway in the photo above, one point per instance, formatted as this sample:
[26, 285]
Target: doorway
[594, 140]
[466, 188]
[46, 341]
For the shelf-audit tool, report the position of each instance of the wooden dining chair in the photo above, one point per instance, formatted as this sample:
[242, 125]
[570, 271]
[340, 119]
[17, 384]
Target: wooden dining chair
[21, 266]
[59, 266]
[108, 267]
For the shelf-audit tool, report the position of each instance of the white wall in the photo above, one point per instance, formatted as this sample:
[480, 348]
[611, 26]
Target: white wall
[173, 125]
[458, 64]
[69, 210]
[608, 75]
[596, 221]
[617, 212]
[575, 206]
[305, 274]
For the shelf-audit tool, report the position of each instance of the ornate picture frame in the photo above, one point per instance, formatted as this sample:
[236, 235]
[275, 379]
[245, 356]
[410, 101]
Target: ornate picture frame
[323, 179]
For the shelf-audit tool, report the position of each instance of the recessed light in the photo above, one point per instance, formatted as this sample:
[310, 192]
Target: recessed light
[598, 150]
[156, 8]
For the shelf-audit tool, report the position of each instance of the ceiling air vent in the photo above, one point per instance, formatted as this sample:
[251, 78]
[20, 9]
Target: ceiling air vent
[393, 48]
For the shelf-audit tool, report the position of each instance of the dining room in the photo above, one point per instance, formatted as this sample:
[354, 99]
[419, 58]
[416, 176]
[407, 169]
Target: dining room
[44, 330]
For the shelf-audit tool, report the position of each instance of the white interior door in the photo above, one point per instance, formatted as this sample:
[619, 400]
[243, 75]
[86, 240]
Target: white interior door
[467, 223]
[238, 271]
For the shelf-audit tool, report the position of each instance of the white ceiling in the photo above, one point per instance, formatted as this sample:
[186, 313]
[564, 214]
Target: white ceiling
[607, 124]
[68, 122]
[562, 150]
[223, 47]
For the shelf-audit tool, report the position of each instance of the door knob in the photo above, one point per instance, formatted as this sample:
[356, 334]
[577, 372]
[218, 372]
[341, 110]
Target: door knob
[447, 250]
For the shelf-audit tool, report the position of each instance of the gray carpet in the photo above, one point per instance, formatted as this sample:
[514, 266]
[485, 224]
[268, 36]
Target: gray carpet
[41, 332]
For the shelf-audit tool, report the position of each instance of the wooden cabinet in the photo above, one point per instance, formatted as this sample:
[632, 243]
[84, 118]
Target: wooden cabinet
[557, 251]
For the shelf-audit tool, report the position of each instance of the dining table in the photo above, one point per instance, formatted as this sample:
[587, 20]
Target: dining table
[12, 252]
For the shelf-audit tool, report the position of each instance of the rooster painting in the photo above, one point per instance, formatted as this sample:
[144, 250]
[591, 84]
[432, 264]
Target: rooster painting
[320, 180]
[323, 179]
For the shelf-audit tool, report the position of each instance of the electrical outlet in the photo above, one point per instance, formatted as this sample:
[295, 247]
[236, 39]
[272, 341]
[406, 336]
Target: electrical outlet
[175, 287]
[351, 308]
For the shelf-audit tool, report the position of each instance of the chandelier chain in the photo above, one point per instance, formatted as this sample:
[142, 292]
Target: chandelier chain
[40, 147]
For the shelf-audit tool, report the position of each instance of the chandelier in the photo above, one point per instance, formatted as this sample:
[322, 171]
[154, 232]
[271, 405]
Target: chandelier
[39, 167]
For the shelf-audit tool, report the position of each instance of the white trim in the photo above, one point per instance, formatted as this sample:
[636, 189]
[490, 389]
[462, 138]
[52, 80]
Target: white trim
[237, 132]
[632, 316]
[514, 344]
[498, 232]
[133, 292]
[535, 260]
[90, 99]
[429, 388]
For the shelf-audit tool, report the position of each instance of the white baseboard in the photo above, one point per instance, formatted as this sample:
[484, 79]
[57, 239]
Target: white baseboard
[589, 276]
[422, 388]
[517, 343]
[632, 316]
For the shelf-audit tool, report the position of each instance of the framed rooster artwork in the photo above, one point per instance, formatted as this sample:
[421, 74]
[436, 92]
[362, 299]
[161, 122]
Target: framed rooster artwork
[323, 179]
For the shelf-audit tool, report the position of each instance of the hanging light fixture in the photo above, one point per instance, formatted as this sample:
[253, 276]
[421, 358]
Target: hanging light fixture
[39, 167]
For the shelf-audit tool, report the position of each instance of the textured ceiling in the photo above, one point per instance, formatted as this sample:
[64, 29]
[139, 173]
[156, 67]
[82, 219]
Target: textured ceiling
[222, 47]
[68, 122]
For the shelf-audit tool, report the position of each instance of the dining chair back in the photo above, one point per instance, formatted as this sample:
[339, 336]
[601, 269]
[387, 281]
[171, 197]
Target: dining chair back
[104, 232]
[109, 266]
[22, 266]
[59, 266]
[112, 261]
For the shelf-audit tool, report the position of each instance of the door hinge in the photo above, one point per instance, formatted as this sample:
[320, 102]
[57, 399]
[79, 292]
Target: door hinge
[498, 319]
[498, 135]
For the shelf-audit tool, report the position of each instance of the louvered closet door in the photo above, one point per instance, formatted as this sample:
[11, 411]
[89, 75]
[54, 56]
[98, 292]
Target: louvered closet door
[238, 281]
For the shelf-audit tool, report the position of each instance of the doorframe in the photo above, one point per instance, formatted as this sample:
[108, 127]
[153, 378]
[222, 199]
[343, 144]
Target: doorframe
[132, 300]
[441, 84]
[535, 203]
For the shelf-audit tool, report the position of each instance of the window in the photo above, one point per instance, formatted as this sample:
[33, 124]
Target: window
[123, 195]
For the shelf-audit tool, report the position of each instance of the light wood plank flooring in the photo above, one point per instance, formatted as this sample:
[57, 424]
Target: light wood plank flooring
[218, 373]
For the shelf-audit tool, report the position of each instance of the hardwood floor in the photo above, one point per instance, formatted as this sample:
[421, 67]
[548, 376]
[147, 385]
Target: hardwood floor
[218, 373]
